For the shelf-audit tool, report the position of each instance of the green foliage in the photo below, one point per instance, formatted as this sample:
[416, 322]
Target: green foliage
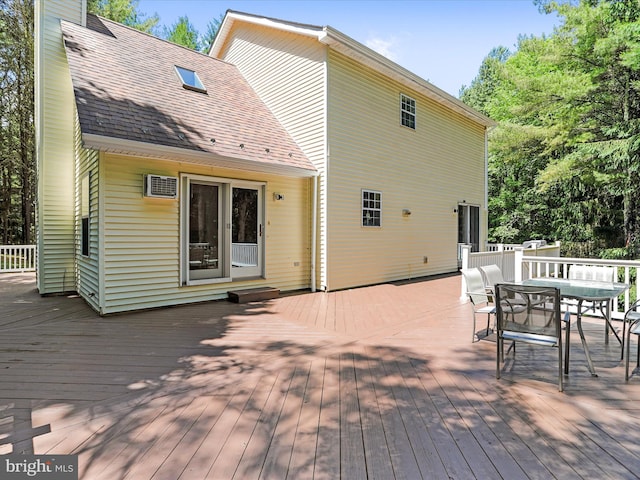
[210, 35]
[125, 12]
[17, 135]
[564, 159]
[183, 33]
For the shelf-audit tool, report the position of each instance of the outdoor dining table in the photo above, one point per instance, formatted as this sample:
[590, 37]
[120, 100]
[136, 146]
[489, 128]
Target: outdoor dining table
[585, 291]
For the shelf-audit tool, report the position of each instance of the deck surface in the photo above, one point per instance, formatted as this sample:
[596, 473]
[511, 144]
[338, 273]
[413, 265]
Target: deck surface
[378, 382]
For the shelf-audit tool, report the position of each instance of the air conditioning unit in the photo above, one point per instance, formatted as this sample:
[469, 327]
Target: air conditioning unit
[157, 186]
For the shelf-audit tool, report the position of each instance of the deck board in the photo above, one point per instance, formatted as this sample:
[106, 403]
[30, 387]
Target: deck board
[378, 382]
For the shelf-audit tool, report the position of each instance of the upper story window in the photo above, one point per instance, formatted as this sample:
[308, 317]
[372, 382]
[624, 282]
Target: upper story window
[371, 208]
[190, 80]
[408, 111]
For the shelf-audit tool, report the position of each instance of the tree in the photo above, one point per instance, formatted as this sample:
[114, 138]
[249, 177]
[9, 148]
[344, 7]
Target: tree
[125, 12]
[213, 27]
[183, 33]
[564, 159]
[17, 135]
[600, 43]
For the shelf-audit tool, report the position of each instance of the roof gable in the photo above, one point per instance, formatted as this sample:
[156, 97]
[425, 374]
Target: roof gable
[130, 99]
[354, 50]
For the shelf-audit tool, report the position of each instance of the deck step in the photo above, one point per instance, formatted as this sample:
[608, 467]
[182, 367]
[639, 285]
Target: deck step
[253, 294]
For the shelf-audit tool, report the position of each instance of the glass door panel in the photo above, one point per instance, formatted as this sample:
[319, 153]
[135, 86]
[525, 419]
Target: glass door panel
[205, 260]
[246, 232]
[469, 226]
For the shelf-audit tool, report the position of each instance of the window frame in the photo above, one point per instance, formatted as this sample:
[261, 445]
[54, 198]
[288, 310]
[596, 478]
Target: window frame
[409, 114]
[365, 208]
[228, 273]
[85, 215]
[196, 85]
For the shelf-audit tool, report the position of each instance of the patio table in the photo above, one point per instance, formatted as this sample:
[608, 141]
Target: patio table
[585, 291]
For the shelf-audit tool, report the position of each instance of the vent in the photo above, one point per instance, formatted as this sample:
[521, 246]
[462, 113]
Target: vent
[158, 186]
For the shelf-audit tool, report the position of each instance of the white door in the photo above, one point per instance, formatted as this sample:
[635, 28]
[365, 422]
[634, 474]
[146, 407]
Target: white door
[246, 232]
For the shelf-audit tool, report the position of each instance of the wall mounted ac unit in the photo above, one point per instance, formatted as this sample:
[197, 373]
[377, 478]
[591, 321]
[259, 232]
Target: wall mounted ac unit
[158, 186]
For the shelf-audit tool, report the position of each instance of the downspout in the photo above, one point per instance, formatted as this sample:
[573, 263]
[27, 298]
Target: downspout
[485, 226]
[314, 228]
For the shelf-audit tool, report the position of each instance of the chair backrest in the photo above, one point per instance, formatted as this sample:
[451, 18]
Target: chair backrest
[492, 275]
[537, 310]
[475, 285]
[587, 272]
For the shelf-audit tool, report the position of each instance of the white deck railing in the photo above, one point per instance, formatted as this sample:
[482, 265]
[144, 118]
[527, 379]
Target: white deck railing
[244, 254]
[504, 256]
[17, 258]
[531, 267]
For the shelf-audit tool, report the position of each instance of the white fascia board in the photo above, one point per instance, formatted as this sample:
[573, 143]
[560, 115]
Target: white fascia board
[353, 49]
[174, 154]
[359, 52]
[231, 17]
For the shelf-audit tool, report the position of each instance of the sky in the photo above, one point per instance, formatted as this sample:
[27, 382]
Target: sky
[442, 41]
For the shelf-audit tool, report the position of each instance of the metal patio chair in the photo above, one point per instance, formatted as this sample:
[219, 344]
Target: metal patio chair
[479, 299]
[537, 321]
[631, 325]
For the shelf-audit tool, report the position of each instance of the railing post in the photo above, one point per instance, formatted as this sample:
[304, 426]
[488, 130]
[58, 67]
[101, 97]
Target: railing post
[501, 250]
[466, 250]
[519, 253]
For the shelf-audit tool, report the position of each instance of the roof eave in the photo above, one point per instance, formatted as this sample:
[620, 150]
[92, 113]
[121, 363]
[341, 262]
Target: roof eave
[231, 17]
[353, 49]
[162, 152]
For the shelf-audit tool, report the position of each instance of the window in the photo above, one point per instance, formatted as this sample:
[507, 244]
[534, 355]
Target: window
[84, 214]
[222, 228]
[190, 80]
[371, 208]
[408, 111]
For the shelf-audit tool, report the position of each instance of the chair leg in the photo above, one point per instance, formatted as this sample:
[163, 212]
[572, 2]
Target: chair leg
[624, 329]
[626, 360]
[499, 347]
[473, 335]
[567, 319]
[560, 381]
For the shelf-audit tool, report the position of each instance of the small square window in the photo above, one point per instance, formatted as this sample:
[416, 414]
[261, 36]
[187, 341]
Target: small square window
[371, 208]
[190, 80]
[408, 111]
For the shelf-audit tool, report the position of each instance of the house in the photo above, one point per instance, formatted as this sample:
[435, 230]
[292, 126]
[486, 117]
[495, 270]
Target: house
[291, 156]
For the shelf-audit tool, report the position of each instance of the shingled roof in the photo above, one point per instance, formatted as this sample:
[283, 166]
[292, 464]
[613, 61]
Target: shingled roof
[131, 100]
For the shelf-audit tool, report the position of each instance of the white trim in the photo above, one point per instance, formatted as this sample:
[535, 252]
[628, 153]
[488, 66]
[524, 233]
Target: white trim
[314, 230]
[403, 97]
[83, 12]
[362, 207]
[357, 51]
[231, 17]
[226, 268]
[163, 152]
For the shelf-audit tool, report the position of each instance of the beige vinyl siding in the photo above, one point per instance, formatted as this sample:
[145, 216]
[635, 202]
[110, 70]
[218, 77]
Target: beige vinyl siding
[54, 148]
[427, 170]
[288, 73]
[141, 237]
[88, 267]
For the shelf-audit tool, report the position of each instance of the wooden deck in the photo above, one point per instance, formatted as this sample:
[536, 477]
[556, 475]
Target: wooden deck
[379, 382]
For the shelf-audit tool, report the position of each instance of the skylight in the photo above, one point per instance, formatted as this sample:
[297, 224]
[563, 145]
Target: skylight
[190, 79]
